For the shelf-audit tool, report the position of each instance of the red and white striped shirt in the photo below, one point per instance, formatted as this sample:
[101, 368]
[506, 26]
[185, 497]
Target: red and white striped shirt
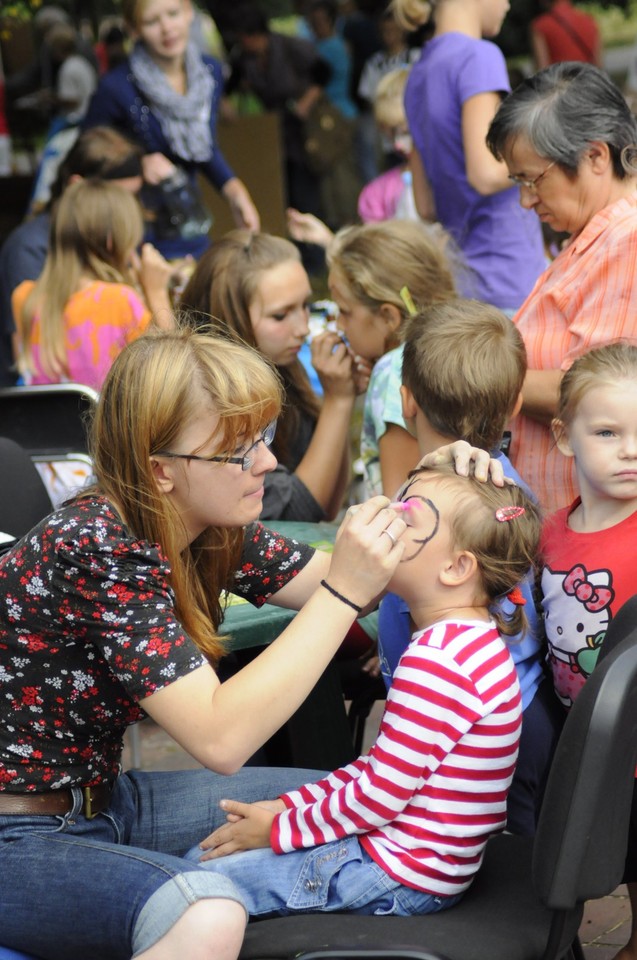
[433, 788]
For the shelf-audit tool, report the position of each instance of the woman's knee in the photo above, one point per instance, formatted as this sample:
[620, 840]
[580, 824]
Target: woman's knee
[169, 911]
[210, 929]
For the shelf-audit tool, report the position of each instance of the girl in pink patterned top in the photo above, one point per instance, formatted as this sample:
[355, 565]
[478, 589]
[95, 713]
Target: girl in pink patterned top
[74, 320]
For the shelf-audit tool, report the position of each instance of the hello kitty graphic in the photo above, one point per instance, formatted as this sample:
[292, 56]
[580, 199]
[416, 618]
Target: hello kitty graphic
[576, 616]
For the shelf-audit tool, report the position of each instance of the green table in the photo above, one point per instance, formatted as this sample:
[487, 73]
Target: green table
[249, 626]
[318, 735]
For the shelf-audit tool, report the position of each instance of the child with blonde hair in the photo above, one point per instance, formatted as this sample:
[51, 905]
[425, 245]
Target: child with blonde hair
[73, 321]
[588, 552]
[379, 273]
[383, 197]
[402, 830]
[588, 568]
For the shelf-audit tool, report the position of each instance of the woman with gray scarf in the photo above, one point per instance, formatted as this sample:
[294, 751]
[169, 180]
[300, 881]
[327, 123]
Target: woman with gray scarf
[166, 95]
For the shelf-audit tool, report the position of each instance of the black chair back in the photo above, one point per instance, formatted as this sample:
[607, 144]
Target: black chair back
[580, 845]
[620, 627]
[23, 497]
[47, 421]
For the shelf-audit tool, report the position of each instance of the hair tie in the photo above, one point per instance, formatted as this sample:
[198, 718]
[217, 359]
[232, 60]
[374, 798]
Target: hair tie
[405, 296]
[339, 596]
[515, 596]
[505, 514]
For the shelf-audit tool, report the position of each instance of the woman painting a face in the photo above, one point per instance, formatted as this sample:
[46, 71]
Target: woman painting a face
[108, 613]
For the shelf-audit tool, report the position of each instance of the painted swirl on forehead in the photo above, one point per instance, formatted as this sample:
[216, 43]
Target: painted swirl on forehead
[428, 516]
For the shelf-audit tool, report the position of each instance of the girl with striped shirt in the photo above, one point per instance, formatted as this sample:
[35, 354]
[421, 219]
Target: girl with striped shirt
[402, 830]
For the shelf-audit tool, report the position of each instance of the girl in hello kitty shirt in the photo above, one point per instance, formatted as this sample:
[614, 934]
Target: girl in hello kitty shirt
[589, 548]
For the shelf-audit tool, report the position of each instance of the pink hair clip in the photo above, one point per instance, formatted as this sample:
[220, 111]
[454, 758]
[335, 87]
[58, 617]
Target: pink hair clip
[504, 514]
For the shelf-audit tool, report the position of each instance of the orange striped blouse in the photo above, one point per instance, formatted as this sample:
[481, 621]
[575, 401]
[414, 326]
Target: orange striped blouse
[587, 297]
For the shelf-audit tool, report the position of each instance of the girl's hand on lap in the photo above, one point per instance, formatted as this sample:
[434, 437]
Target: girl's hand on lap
[248, 828]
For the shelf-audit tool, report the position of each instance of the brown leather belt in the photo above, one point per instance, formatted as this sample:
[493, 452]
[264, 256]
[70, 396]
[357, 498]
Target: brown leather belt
[95, 799]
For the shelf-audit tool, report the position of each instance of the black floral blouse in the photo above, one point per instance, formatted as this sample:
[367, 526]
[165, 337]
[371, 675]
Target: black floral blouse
[87, 630]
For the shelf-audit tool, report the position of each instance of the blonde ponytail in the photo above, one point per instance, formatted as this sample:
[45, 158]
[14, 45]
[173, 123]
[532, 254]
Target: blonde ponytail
[411, 14]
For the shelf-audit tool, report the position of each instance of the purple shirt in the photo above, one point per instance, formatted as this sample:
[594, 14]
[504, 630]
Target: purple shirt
[501, 243]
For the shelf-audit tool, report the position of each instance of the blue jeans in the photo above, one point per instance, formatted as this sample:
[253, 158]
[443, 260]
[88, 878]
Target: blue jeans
[111, 887]
[334, 876]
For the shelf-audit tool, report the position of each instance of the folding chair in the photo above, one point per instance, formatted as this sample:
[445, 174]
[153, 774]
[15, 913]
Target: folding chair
[23, 497]
[527, 900]
[49, 422]
[621, 625]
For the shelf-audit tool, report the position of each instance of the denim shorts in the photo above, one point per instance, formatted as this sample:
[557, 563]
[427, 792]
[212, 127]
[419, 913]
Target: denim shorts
[111, 887]
[337, 876]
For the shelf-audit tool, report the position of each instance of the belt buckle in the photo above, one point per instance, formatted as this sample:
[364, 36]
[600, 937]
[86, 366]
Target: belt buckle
[88, 804]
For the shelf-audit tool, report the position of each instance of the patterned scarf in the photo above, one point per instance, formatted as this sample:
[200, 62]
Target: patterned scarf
[184, 120]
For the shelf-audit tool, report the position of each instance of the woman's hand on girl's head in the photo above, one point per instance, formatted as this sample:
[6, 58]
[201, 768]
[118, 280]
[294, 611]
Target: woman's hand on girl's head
[465, 459]
[156, 167]
[367, 551]
[333, 363]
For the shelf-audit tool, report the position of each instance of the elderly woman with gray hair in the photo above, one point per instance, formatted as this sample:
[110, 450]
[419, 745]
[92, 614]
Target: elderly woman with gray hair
[570, 143]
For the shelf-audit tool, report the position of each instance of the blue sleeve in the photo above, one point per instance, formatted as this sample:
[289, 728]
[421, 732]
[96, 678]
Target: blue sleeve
[483, 70]
[109, 105]
[217, 170]
[22, 258]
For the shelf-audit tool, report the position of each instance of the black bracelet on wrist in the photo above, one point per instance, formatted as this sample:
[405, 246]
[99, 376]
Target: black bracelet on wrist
[339, 596]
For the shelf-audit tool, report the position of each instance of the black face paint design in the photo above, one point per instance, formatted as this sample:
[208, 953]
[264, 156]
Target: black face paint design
[431, 519]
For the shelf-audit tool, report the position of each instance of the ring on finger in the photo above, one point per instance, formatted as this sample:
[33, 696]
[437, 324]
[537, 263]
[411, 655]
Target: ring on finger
[389, 534]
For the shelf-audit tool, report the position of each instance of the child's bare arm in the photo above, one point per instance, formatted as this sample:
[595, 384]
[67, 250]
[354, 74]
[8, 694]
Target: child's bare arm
[399, 454]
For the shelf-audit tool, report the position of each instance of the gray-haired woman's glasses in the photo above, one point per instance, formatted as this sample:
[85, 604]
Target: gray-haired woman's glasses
[531, 184]
[246, 460]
